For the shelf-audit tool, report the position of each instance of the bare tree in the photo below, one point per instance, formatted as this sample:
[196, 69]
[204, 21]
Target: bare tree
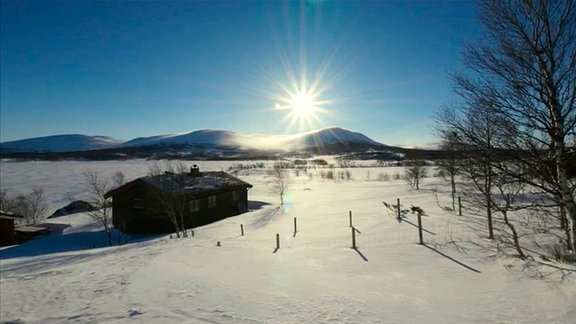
[449, 165]
[97, 188]
[118, 179]
[416, 170]
[171, 196]
[154, 169]
[4, 200]
[176, 167]
[525, 68]
[32, 205]
[172, 201]
[37, 205]
[510, 193]
[279, 180]
[478, 134]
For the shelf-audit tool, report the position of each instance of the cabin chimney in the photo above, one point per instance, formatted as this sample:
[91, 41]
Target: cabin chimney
[194, 171]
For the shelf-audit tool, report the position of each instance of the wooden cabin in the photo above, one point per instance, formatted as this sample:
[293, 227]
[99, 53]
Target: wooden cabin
[147, 204]
[7, 231]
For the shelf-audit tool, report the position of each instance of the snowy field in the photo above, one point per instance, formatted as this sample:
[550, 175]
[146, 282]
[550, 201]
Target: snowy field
[458, 276]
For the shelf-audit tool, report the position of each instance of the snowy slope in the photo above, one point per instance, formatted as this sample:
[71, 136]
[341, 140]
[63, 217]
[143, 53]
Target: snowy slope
[315, 277]
[322, 137]
[204, 136]
[60, 143]
[333, 135]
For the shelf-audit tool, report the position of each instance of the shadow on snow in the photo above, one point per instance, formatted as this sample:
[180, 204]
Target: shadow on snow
[266, 217]
[452, 259]
[56, 242]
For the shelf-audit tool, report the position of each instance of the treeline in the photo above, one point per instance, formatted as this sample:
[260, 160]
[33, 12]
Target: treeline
[511, 132]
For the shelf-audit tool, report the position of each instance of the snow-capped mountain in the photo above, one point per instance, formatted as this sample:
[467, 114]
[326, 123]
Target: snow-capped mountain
[323, 137]
[204, 136]
[328, 140]
[60, 143]
[334, 135]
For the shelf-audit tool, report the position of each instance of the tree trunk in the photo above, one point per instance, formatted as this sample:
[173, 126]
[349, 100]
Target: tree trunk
[562, 177]
[513, 229]
[183, 225]
[567, 199]
[488, 194]
[174, 221]
[571, 231]
[109, 236]
[563, 220]
[489, 215]
[453, 185]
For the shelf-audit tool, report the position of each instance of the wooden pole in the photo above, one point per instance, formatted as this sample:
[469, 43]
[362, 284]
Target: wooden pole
[459, 206]
[277, 241]
[398, 205]
[353, 238]
[350, 216]
[420, 228]
[242, 229]
[295, 226]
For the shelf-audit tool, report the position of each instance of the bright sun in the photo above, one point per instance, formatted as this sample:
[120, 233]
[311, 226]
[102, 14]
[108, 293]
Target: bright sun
[302, 104]
[304, 100]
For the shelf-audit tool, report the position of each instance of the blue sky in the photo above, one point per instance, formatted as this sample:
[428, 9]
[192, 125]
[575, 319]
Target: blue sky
[131, 69]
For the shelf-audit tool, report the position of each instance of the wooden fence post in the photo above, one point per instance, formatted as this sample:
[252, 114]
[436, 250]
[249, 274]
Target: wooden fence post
[420, 228]
[242, 229]
[459, 206]
[350, 216]
[295, 226]
[398, 205]
[277, 241]
[354, 238]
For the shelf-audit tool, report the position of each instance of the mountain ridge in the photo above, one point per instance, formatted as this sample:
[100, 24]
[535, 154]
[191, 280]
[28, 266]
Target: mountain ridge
[336, 137]
[60, 143]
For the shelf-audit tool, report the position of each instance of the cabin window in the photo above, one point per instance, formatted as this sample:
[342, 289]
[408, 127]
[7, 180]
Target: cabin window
[211, 201]
[235, 196]
[138, 203]
[194, 205]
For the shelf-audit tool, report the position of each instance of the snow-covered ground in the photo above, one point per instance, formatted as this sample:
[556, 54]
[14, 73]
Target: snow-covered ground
[458, 276]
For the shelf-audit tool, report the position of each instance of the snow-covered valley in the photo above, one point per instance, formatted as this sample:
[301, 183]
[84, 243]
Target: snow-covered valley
[458, 276]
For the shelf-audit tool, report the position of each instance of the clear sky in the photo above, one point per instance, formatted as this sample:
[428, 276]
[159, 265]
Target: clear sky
[128, 69]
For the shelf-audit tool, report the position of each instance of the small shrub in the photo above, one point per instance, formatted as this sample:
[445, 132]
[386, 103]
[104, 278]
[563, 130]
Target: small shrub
[344, 175]
[383, 177]
[330, 175]
[561, 253]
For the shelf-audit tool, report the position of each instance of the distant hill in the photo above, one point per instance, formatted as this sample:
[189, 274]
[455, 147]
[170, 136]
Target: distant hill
[205, 143]
[336, 140]
[314, 140]
[335, 135]
[205, 136]
[60, 143]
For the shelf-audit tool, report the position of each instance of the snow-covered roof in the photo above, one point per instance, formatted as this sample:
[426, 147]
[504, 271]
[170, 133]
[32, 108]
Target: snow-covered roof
[9, 215]
[203, 182]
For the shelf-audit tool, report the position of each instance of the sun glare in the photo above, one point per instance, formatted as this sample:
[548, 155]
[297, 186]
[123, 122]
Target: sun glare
[303, 104]
[303, 88]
